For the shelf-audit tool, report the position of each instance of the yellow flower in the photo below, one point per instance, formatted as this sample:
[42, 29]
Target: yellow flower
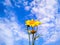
[32, 23]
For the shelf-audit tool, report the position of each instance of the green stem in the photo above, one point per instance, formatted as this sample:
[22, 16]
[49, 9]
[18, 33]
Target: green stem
[33, 39]
[28, 34]
[29, 39]
[36, 31]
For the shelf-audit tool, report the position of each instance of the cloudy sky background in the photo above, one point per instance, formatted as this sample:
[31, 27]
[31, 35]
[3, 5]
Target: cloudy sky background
[14, 13]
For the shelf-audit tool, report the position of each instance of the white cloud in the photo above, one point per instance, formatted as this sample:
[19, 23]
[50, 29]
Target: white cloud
[7, 3]
[10, 30]
[45, 11]
[27, 8]
[6, 34]
[54, 37]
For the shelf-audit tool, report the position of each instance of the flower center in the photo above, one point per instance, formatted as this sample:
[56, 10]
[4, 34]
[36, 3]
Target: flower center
[32, 22]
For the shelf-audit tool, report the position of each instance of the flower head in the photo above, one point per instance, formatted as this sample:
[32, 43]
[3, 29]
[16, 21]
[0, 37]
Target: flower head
[33, 31]
[33, 23]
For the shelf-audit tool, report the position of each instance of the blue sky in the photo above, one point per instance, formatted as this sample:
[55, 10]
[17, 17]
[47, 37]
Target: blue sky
[14, 13]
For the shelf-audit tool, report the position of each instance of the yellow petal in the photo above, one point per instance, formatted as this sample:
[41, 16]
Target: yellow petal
[37, 23]
[33, 25]
[27, 22]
